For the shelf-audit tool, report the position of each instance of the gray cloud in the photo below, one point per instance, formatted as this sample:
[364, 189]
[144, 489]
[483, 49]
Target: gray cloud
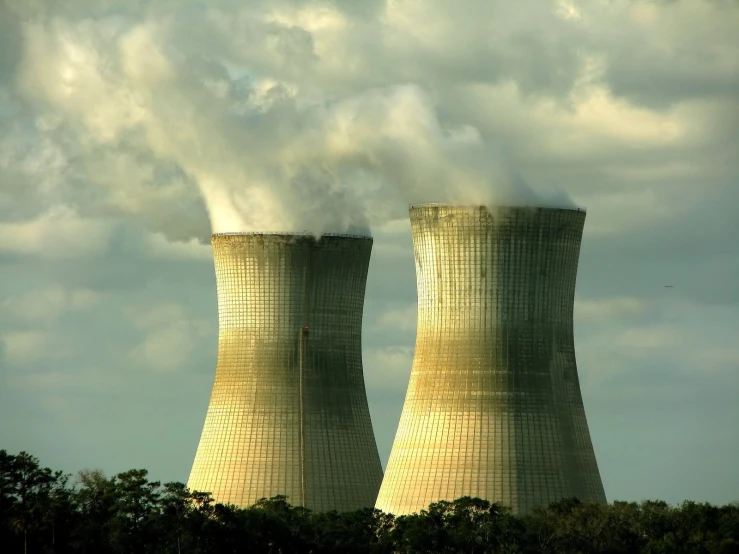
[11, 41]
[653, 61]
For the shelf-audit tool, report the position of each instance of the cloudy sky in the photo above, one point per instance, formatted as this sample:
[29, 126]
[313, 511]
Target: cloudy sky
[130, 130]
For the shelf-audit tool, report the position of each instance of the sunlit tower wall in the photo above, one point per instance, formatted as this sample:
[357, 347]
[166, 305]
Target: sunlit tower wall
[493, 407]
[288, 414]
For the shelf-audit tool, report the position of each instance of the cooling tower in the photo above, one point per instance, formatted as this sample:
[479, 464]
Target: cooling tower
[493, 408]
[288, 414]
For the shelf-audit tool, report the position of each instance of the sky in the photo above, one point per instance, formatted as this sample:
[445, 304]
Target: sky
[129, 131]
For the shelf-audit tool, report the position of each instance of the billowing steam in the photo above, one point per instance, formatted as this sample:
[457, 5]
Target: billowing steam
[268, 152]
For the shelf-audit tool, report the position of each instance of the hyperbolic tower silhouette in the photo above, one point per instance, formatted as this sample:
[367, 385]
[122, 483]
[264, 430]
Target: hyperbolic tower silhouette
[288, 414]
[493, 407]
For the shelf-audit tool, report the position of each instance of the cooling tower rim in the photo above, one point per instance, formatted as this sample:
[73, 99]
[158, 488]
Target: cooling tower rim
[286, 234]
[493, 206]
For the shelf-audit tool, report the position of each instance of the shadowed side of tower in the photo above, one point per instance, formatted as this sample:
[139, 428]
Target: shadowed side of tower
[288, 414]
[493, 407]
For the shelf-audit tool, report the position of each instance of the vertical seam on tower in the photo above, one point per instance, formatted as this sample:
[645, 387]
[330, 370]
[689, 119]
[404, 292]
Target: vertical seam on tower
[301, 372]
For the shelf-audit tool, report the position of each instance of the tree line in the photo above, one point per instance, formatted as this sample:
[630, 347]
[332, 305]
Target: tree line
[44, 511]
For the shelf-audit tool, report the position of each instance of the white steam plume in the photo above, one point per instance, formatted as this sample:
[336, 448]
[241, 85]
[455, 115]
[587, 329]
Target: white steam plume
[266, 154]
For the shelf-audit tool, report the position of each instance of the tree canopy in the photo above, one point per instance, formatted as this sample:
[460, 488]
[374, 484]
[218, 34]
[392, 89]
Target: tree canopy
[44, 511]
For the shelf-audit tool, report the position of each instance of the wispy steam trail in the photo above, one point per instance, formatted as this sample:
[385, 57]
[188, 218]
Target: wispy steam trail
[267, 152]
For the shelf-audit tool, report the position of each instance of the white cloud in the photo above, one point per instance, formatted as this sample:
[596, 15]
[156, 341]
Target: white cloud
[644, 15]
[597, 362]
[613, 349]
[567, 10]
[394, 228]
[387, 368]
[24, 347]
[170, 336]
[158, 247]
[591, 123]
[609, 309]
[403, 319]
[646, 338]
[155, 316]
[48, 303]
[58, 234]
[165, 349]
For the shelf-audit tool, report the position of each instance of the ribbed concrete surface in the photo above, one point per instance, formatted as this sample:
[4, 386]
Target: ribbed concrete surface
[493, 407]
[288, 413]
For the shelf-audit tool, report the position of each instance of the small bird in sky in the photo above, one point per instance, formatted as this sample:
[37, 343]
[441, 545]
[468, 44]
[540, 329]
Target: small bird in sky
[669, 286]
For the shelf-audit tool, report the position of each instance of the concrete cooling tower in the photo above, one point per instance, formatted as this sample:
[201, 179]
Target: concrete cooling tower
[493, 407]
[288, 414]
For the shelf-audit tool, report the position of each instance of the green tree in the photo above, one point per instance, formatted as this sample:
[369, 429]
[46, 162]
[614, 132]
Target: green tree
[96, 504]
[365, 531]
[175, 504]
[136, 509]
[26, 491]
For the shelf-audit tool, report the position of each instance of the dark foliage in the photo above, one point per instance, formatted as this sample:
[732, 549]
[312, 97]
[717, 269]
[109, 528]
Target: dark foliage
[42, 511]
